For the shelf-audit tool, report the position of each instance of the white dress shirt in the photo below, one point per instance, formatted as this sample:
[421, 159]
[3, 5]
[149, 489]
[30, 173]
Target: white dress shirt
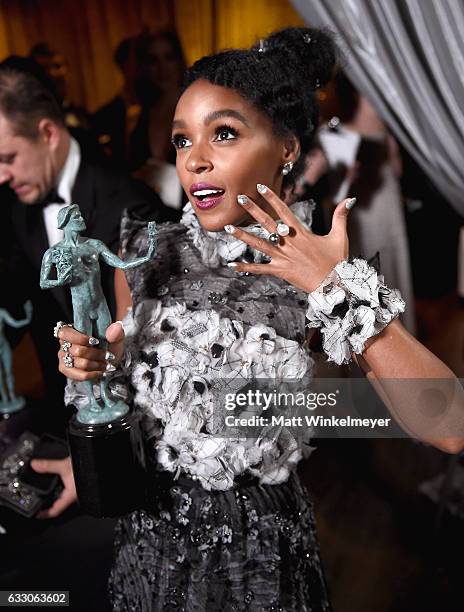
[64, 187]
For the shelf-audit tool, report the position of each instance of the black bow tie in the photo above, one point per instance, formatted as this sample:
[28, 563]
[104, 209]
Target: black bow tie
[52, 197]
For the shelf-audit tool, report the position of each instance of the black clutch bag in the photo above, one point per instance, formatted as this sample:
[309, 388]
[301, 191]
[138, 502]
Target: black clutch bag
[21, 488]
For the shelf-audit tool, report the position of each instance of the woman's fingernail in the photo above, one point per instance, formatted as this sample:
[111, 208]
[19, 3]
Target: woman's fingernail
[350, 203]
[110, 367]
[230, 229]
[109, 356]
[261, 188]
[242, 199]
[93, 341]
[121, 324]
[232, 264]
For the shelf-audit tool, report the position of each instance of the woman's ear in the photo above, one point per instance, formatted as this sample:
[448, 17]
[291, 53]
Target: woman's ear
[291, 150]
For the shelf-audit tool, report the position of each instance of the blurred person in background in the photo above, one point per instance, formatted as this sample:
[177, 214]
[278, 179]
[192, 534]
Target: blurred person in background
[56, 66]
[114, 122]
[356, 154]
[161, 65]
[431, 219]
[51, 70]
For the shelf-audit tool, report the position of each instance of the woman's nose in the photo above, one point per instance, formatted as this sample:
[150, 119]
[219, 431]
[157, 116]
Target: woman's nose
[197, 161]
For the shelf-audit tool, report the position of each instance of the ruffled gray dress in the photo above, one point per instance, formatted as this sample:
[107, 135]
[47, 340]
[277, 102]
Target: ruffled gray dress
[228, 525]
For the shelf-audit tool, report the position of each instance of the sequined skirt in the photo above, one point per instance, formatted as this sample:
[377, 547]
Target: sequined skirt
[251, 548]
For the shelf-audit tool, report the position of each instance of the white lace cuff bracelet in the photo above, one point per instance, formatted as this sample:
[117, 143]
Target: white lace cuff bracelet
[351, 305]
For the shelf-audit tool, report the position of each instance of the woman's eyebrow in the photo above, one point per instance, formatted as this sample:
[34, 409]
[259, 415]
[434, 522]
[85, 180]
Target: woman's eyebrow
[178, 123]
[219, 114]
[226, 112]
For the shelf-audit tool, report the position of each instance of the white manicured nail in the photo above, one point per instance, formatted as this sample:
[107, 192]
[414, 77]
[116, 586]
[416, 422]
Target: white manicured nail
[350, 203]
[242, 199]
[232, 264]
[261, 188]
[110, 367]
[109, 356]
[93, 341]
[230, 229]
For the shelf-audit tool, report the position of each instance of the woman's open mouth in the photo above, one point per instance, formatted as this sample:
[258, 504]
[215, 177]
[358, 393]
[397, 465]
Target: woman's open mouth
[206, 195]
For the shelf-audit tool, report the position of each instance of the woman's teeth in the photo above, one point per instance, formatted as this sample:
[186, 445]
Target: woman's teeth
[205, 193]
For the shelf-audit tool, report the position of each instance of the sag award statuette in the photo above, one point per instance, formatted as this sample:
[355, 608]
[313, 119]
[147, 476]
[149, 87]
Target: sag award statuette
[9, 401]
[104, 434]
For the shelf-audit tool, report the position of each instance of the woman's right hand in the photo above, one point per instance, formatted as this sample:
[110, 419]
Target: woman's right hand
[90, 362]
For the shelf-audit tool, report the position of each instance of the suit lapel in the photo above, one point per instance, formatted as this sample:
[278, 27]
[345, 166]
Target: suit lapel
[36, 234]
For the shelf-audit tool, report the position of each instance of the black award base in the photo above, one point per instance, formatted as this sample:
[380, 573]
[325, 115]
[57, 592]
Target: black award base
[106, 461]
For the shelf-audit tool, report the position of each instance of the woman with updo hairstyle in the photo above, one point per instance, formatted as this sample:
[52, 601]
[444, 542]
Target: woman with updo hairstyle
[229, 302]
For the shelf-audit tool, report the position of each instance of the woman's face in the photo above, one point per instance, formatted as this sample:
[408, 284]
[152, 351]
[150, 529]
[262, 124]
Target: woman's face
[225, 146]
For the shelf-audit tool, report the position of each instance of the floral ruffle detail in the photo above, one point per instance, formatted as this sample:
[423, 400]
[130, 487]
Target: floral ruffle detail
[180, 364]
[185, 361]
[351, 305]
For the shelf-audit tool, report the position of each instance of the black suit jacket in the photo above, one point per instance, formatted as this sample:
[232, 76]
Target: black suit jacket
[102, 194]
[109, 123]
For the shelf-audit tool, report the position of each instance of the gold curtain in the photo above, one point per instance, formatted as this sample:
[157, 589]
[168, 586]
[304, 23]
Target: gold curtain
[88, 31]
[241, 23]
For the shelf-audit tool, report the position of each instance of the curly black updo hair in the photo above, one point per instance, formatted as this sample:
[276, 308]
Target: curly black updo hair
[279, 76]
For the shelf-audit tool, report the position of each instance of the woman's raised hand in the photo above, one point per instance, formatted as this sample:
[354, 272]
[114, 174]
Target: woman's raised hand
[301, 258]
[88, 361]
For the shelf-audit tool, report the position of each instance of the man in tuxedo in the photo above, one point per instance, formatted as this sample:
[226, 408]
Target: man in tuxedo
[42, 169]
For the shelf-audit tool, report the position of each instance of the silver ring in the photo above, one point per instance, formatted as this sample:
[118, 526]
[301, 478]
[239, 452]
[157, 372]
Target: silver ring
[274, 238]
[282, 229]
[58, 326]
[68, 360]
[66, 346]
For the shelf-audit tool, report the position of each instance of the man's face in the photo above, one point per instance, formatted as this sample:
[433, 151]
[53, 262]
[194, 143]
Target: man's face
[27, 166]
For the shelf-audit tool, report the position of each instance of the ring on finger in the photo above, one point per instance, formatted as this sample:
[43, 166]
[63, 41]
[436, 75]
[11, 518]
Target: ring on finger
[58, 326]
[68, 360]
[274, 238]
[66, 346]
[282, 229]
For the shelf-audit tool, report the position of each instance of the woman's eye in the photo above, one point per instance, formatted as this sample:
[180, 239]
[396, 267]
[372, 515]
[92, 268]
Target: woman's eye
[226, 133]
[180, 142]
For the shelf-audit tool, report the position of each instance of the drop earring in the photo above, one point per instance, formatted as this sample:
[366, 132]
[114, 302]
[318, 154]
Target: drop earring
[287, 168]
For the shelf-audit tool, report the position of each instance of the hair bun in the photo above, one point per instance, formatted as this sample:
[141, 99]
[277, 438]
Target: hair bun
[311, 54]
